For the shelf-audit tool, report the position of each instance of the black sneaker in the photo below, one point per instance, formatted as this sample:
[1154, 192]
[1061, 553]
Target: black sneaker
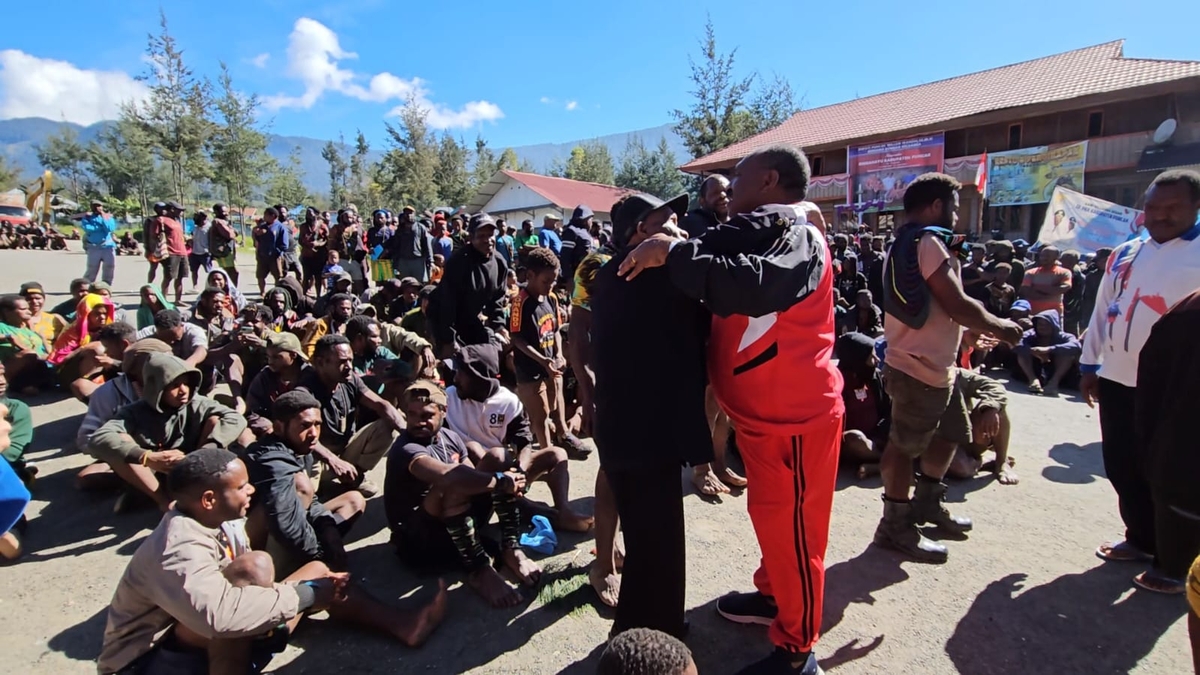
[575, 448]
[783, 662]
[753, 608]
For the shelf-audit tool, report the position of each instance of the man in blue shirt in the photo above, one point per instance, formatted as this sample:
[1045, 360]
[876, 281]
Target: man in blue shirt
[272, 240]
[505, 245]
[442, 243]
[98, 242]
[548, 237]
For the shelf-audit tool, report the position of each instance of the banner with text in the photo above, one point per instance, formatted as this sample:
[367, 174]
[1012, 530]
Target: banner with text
[1077, 221]
[1029, 176]
[879, 172]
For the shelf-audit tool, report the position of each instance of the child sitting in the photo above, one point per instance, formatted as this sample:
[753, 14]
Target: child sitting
[1001, 294]
[439, 268]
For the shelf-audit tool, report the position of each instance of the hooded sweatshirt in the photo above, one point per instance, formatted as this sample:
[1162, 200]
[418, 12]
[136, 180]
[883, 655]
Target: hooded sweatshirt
[103, 405]
[235, 296]
[153, 427]
[1061, 342]
[273, 466]
[145, 313]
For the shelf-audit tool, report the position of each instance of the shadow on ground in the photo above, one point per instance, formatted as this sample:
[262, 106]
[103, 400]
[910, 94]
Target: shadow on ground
[1089, 622]
[1077, 464]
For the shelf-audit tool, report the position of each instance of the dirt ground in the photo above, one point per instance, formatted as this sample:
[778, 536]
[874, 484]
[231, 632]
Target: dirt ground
[1024, 595]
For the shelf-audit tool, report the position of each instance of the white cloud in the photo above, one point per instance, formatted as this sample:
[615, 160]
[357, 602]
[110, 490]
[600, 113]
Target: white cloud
[545, 100]
[571, 105]
[260, 61]
[35, 87]
[313, 57]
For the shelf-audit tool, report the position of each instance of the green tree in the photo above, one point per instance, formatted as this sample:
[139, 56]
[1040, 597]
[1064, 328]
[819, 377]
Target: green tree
[452, 176]
[175, 115]
[651, 171]
[238, 146]
[590, 162]
[727, 108]
[63, 154]
[486, 164]
[338, 173]
[122, 160]
[360, 172]
[286, 186]
[406, 171]
[508, 160]
[9, 175]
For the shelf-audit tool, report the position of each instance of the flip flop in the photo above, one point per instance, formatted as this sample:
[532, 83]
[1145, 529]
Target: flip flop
[1156, 582]
[1035, 387]
[1122, 552]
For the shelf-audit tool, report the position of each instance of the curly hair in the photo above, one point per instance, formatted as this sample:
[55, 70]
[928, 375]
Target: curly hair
[540, 259]
[642, 651]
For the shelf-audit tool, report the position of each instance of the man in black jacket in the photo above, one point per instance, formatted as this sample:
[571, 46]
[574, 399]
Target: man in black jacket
[410, 248]
[285, 507]
[648, 353]
[713, 209]
[577, 242]
[472, 285]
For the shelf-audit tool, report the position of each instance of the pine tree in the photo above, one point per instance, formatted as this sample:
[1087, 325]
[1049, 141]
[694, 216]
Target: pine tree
[590, 162]
[9, 175]
[406, 172]
[237, 146]
[452, 177]
[286, 186]
[338, 168]
[121, 159]
[63, 154]
[653, 172]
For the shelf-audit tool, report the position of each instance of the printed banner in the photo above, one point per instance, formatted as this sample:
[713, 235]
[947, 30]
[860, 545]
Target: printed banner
[1077, 221]
[1029, 176]
[879, 172]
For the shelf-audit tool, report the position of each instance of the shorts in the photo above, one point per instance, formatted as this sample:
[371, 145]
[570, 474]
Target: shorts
[264, 267]
[541, 398]
[920, 412]
[312, 266]
[228, 262]
[423, 543]
[174, 267]
[381, 270]
[196, 261]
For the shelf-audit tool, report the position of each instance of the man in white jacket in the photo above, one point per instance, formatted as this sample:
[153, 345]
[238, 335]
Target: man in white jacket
[1142, 281]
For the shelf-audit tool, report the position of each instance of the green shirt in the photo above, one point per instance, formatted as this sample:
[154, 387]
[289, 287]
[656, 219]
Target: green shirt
[14, 339]
[523, 241]
[22, 428]
[365, 362]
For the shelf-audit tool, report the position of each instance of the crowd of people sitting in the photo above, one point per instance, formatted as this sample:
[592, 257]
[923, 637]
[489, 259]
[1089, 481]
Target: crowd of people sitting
[457, 351]
[34, 237]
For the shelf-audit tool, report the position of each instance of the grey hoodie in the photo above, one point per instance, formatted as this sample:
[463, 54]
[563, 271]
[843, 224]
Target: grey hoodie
[146, 426]
[103, 406]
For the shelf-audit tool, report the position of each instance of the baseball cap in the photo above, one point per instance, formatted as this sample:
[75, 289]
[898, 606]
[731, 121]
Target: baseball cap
[1022, 305]
[482, 361]
[480, 220]
[582, 211]
[409, 209]
[175, 205]
[288, 342]
[628, 213]
[551, 216]
[426, 390]
[410, 282]
[32, 288]
[97, 202]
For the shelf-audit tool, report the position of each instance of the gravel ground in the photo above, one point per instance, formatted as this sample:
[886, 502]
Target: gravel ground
[1024, 595]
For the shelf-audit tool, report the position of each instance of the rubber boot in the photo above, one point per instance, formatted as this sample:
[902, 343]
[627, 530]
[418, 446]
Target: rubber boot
[928, 508]
[898, 531]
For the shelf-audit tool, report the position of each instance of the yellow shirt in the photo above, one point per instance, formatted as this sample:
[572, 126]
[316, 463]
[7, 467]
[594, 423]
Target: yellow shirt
[49, 326]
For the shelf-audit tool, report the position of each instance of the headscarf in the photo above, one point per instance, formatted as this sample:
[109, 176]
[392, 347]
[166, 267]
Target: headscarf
[77, 334]
[145, 314]
[239, 300]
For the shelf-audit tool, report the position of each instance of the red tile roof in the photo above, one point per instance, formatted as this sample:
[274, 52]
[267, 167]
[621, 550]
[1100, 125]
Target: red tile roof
[1082, 72]
[567, 194]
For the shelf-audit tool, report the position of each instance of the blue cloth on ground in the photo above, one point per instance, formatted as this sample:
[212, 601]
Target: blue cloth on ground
[542, 538]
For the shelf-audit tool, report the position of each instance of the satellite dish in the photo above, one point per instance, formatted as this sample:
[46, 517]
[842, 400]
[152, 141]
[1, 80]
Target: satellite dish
[1164, 131]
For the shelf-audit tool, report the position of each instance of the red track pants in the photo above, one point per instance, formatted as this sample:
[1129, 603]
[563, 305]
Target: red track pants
[792, 479]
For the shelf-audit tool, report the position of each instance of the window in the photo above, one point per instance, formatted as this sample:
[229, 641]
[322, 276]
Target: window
[818, 166]
[1014, 136]
[1095, 124]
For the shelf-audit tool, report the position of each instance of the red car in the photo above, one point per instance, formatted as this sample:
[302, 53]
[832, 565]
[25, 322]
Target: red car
[16, 215]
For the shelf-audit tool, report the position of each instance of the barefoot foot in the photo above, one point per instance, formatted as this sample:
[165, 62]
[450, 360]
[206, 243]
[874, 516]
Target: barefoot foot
[570, 521]
[707, 482]
[422, 621]
[526, 570]
[488, 583]
[606, 585]
[729, 476]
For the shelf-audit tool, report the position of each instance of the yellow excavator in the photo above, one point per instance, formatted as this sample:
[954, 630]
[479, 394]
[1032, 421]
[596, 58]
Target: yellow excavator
[40, 189]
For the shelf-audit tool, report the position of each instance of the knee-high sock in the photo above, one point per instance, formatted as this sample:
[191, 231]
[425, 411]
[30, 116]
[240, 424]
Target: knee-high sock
[510, 520]
[462, 533]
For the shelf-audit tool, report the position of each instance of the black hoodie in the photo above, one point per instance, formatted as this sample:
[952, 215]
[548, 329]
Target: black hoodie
[273, 466]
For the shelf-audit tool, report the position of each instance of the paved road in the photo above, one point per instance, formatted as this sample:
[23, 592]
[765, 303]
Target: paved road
[1024, 595]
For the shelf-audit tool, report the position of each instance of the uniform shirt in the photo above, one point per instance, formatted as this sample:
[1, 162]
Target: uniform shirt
[927, 353]
[497, 422]
[402, 491]
[339, 407]
[1142, 281]
[534, 318]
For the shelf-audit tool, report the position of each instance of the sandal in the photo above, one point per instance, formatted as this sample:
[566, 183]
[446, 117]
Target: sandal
[1157, 582]
[1035, 387]
[1122, 551]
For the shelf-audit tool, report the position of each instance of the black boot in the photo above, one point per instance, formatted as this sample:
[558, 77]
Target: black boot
[928, 508]
[898, 531]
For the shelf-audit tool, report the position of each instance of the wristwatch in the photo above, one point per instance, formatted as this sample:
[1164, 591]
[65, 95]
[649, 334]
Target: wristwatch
[500, 476]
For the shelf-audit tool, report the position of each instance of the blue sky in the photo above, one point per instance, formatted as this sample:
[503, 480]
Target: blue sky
[537, 71]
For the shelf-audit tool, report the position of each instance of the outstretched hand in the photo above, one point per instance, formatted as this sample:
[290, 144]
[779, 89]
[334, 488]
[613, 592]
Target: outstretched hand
[650, 253]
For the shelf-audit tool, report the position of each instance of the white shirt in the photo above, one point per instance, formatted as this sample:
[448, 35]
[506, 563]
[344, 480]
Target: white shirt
[1143, 279]
[485, 423]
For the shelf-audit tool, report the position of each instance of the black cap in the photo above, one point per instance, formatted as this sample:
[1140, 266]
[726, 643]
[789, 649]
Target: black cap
[32, 287]
[635, 208]
[482, 361]
[175, 205]
[480, 220]
[581, 212]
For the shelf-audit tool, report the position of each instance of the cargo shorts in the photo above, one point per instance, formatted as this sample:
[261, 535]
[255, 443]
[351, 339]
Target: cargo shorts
[920, 412]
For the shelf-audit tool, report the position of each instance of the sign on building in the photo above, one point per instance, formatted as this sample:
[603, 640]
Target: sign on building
[879, 172]
[1077, 221]
[1029, 175]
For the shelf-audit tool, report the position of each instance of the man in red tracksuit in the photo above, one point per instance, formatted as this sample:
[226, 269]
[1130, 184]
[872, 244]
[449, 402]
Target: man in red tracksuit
[767, 278]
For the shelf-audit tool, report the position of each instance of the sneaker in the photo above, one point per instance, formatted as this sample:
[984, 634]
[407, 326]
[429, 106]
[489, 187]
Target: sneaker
[749, 608]
[575, 448]
[783, 662]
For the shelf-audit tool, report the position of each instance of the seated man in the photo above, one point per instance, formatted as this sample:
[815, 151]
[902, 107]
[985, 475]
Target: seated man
[343, 395]
[283, 317]
[868, 407]
[213, 317]
[23, 352]
[286, 363]
[341, 308]
[153, 434]
[410, 347]
[195, 599]
[285, 509]
[1047, 349]
[19, 434]
[436, 493]
[987, 402]
[98, 361]
[188, 341]
[366, 343]
[66, 308]
[417, 320]
[128, 245]
[482, 411]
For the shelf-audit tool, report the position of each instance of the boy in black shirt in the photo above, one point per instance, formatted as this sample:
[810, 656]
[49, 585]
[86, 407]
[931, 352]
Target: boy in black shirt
[438, 486]
[538, 356]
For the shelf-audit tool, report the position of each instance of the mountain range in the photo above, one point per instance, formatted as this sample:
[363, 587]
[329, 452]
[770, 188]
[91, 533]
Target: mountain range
[19, 139]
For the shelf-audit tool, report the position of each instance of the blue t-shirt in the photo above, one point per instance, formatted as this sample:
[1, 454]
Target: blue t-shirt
[98, 230]
[504, 246]
[444, 246]
[549, 239]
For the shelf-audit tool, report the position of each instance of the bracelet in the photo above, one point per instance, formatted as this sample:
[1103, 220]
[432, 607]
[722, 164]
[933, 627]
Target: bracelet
[145, 458]
[500, 475]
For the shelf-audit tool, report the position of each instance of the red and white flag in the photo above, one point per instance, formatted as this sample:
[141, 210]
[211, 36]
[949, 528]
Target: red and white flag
[981, 175]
